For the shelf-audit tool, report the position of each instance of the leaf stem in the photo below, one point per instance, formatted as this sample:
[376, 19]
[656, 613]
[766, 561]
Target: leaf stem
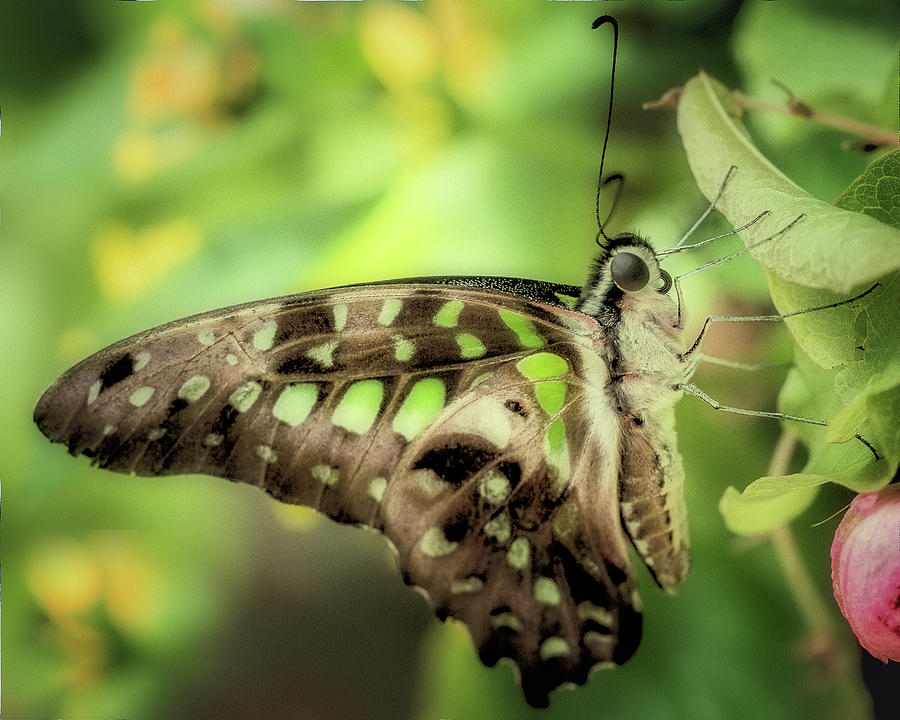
[876, 136]
[824, 645]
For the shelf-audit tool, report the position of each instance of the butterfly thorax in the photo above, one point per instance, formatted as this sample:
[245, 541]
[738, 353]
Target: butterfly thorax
[641, 332]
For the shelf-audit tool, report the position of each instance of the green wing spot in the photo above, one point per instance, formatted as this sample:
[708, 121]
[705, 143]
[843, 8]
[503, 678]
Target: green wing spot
[551, 394]
[194, 388]
[565, 522]
[434, 544]
[141, 396]
[506, 620]
[469, 346]
[470, 584]
[427, 484]
[264, 338]
[358, 409]
[403, 348]
[556, 453]
[588, 611]
[206, 337]
[266, 454]
[213, 439]
[542, 365]
[523, 327]
[377, 486]
[243, 398]
[554, 647]
[389, 311]
[568, 300]
[423, 404]
[141, 360]
[324, 353]
[546, 591]
[494, 487]
[295, 403]
[556, 435]
[519, 554]
[94, 392]
[340, 316]
[448, 315]
[325, 474]
[499, 528]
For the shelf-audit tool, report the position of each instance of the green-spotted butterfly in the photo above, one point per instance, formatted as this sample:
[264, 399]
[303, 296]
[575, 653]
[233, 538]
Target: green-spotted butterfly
[510, 437]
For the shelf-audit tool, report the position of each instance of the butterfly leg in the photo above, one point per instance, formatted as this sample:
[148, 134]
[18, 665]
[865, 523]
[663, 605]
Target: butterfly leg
[716, 405]
[768, 318]
[680, 248]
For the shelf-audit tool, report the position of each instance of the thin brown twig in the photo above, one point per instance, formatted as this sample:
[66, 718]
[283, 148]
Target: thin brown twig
[875, 136]
[872, 136]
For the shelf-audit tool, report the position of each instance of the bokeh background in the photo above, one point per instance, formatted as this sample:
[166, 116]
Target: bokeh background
[160, 159]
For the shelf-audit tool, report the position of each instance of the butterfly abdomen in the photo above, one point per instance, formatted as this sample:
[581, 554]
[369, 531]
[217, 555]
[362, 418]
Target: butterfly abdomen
[651, 498]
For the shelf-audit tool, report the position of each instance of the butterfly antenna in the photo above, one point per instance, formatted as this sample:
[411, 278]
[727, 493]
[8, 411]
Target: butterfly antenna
[620, 178]
[742, 251]
[612, 81]
[712, 206]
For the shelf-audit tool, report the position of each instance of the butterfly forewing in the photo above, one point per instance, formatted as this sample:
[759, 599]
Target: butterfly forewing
[469, 425]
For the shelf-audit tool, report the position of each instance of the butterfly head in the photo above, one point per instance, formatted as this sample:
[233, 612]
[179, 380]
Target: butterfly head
[625, 274]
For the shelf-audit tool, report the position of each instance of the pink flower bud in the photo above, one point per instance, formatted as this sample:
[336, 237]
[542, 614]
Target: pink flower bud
[865, 570]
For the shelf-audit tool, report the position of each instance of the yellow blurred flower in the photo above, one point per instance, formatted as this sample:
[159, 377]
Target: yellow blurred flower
[198, 74]
[63, 577]
[178, 75]
[127, 263]
[86, 650]
[134, 583]
[139, 154]
[399, 44]
[472, 51]
[80, 584]
[187, 82]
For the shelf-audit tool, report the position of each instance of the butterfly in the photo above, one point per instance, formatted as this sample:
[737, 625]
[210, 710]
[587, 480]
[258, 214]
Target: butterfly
[510, 438]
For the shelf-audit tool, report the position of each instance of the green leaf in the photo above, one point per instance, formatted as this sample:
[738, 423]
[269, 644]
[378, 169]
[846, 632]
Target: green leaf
[824, 335]
[846, 359]
[877, 191]
[829, 248]
[869, 385]
[808, 391]
[768, 503]
[828, 337]
[879, 402]
[862, 395]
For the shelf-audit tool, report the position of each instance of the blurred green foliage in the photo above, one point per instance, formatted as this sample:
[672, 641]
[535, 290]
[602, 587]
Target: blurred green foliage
[161, 159]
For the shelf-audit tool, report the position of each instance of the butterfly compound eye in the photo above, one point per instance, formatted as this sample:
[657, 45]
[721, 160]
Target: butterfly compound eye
[629, 272]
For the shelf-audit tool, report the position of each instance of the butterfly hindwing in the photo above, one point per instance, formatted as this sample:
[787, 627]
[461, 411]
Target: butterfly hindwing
[467, 424]
[505, 512]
